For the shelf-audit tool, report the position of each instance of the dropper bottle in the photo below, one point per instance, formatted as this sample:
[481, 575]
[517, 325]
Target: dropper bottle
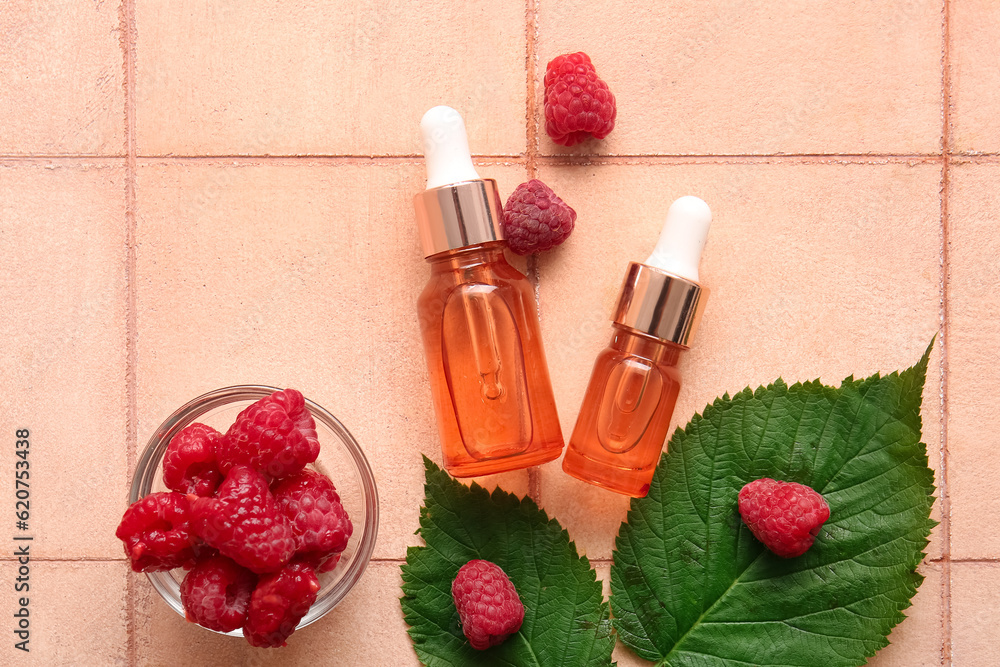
[489, 380]
[626, 410]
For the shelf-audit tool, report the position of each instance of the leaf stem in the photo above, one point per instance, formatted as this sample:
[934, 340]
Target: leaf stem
[708, 610]
[530, 650]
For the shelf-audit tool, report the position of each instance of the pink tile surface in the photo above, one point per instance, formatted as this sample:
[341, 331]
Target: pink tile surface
[365, 629]
[974, 335]
[975, 599]
[975, 67]
[732, 78]
[61, 76]
[195, 194]
[325, 78]
[66, 635]
[63, 288]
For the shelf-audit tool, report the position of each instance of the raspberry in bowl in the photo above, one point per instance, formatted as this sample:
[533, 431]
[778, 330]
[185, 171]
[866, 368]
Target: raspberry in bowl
[282, 454]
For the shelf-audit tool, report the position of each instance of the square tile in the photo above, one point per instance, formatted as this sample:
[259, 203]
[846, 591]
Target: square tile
[973, 341]
[975, 75]
[76, 614]
[312, 78]
[739, 77]
[61, 73]
[62, 229]
[300, 275]
[975, 613]
[815, 270]
[367, 628]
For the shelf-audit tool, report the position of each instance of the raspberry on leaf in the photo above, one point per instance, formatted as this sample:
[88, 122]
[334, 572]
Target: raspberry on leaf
[785, 516]
[488, 605]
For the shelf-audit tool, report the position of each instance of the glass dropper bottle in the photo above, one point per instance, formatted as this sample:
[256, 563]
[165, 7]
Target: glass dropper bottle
[482, 340]
[626, 410]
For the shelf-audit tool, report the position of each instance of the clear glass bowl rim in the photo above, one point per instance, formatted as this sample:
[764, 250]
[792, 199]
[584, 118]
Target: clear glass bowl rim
[145, 473]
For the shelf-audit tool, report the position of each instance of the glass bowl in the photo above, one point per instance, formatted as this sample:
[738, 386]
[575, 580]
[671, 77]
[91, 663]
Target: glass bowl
[340, 458]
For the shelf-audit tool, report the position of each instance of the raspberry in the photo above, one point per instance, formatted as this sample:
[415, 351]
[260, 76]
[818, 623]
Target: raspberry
[276, 436]
[327, 564]
[319, 562]
[785, 516]
[189, 464]
[319, 522]
[242, 521]
[535, 219]
[487, 604]
[157, 533]
[216, 594]
[577, 103]
[278, 604]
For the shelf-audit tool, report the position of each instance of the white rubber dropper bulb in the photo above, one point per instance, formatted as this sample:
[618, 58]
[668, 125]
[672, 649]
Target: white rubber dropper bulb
[446, 148]
[683, 238]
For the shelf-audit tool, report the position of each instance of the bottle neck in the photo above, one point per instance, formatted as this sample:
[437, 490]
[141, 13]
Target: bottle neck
[657, 350]
[459, 215]
[461, 259]
[660, 304]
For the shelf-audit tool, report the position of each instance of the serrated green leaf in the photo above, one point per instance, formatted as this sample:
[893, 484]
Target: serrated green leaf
[566, 622]
[692, 586]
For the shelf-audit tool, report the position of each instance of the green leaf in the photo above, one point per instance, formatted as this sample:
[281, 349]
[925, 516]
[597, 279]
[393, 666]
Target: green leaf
[565, 619]
[692, 586]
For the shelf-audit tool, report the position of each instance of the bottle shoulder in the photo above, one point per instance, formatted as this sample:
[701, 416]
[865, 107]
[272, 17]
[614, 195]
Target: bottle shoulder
[650, 356]
[503, 276]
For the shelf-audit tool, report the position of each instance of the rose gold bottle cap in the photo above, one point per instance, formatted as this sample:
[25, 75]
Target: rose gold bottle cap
[655, 303]
[662, 297]
[458, 209]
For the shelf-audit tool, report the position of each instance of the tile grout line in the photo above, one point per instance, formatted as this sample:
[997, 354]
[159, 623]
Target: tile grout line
[128, 43]
[510, 159]
[402, 559]
[43, 159]
[531, 104]
[531, 167]
[946, 146]
[737, 158]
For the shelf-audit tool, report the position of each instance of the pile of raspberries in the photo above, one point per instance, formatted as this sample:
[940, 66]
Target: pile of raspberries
[246, 517]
